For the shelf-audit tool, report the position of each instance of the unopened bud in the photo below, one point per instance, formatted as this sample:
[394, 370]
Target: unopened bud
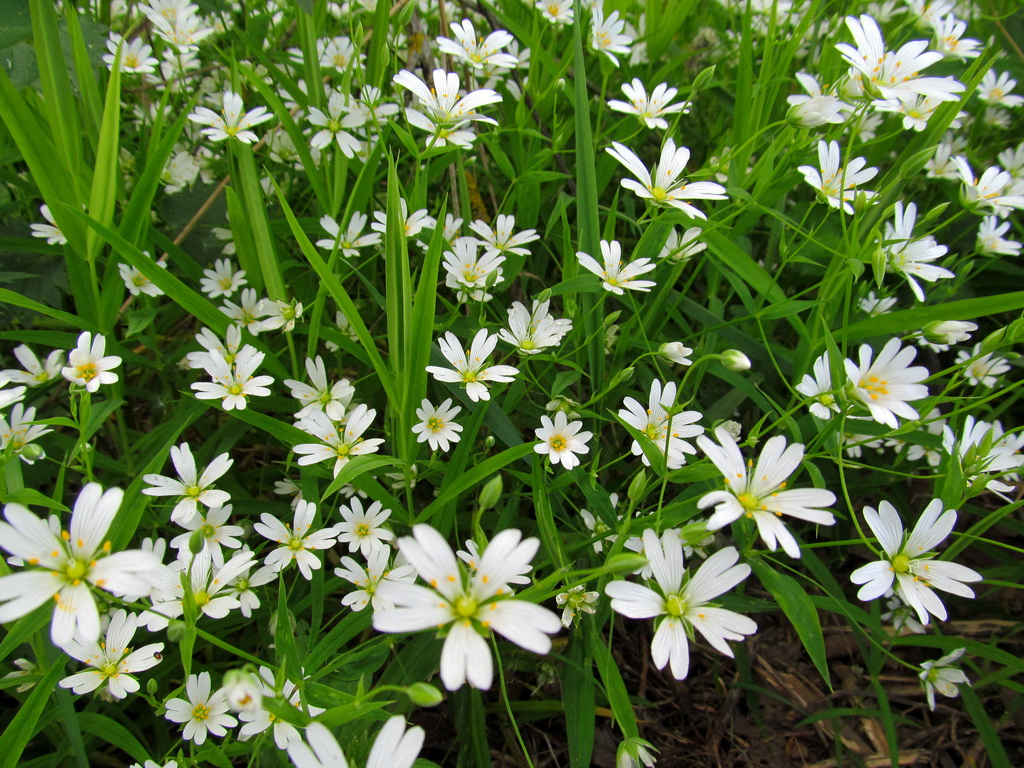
[948, 331]
[701, 81]
[637, 487]
[32, 452]
[544, 295]
[735, 360]
[623, 376]
[424, 695]
[912, 168]
[151, 686]
[197, 541]
[559, 85]
[879, 263]
[489, 441]
[491, 493]
[676, 352]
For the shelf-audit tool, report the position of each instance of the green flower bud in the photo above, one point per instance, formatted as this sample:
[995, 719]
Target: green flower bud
[637, 487]
[735, 360]
[197, 541]
[625, 563]
[424, 695]
[491, 493]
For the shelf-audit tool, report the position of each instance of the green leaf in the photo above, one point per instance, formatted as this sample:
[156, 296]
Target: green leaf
[355, 467]
[578, 692]
[800, 611]
[22, 726]
[112, 732]
[615, 689]
[474, 477]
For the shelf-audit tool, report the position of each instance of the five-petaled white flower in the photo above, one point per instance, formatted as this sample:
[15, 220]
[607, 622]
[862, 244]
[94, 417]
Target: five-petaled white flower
[202, 712]
[364, 530]
[214, 531]
[333, 125]
[66, 566]
[332, 399]
[606, 34]
[988, 193]
[366, 579]
[222, 280]
[818, 107]
[685, 605]
[436, 425]
[667, 430]
[210, 585]
[910, 256]
[192, 486]
[233, 382]
[296, 540]
[760, 492]
[649, 110]
[257, 719]
[340, 443]
[475, 50]
[470, 365]
[20, 432]
[351, 239]
[445, 114]
[534, 330]
[837, 183]
[665, 183]
[87, 365]
[469, 606]
[36, 372]
[885, 385]
[561, 440]
[112, 663]
[501, 238]
[49, 231]
[892, 74]
[616, 276]
[980, 369]
[818, 387]
[939, 676]
[907, 563]
[232, 122]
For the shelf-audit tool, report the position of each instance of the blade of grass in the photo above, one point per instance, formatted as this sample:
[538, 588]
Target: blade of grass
[256, 218]
[22, 726]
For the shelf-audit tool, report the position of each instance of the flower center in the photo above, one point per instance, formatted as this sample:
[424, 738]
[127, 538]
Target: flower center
[658, 193]
[435, 424]
[675, 605]
[109, 669]
[75, 570]
[749, 501]
[208, 530]
[87, 371]
[200, 712]
[201, 598]
[901, 564]
[362, 530]
[557, 443]
[874, 386]
[225, 283]
[465, 606]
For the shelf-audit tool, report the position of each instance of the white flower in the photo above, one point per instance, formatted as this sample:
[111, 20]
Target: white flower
[234, 383]
[877, 305]
[136, 282]
[49, 231]
[979, 195]
[367, 579]
[332, 399]
[338, 443]
[682, 249]
[817, 108]
[981, 369]
[910, 256]
[248, 313]
[939, 334]
[470, 274]
[227, 349]
[178, 24]
[210, 586]
[279, 314]
[685, 606]
[561, 440]
[940, 676]
[35, 373]
[907, 564]
[470, 365]
[113, 663]
[819, 388]
[894, 74]
[136, 56]
[192, 486]
[20, 432]
[667, 432]
[616, 276]
[86, 364]
[916, 111]
[333, 125]
[257, 719]
[394, 747]
[575, 602]
[240, 588]
[761, 492]
[665, 183]
[534, 330]
[836, 183]
[995, 89]
[991, 240]
[25, 668]
[477, 51]
[885, 386]
[556, 11]
[445, 114]
[231, 122]
[222, 280]
[202, 712]
[949, 39]
[501, 239]
[676, 352]
[353, 237]
[180, 172]
[984, 449]
[606, 34]
[469, 606]
[436, 425]
[9, 396]
[64, 566]
[364, 530]
[338, 53]
[214, 530]
[413, 224]
[649, 110]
